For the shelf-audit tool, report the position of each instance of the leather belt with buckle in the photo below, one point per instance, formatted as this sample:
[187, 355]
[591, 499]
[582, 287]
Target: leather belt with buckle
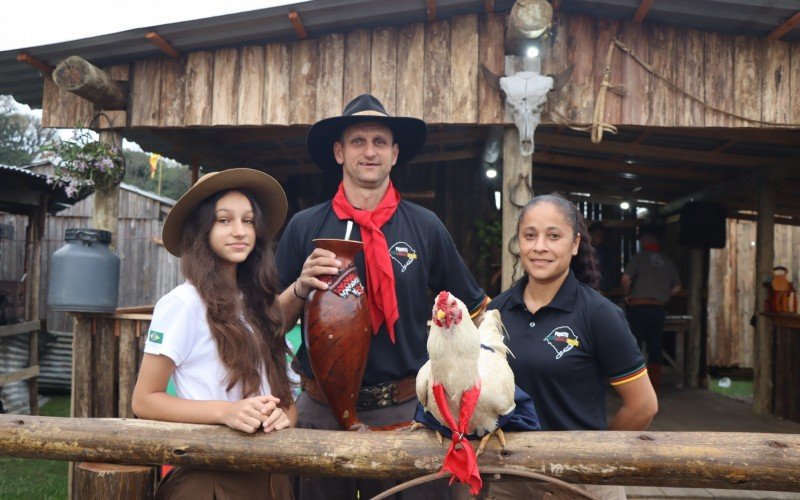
[382, 395]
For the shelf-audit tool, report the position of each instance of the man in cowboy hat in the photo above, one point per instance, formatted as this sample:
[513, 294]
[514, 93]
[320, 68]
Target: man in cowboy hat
[407, 251]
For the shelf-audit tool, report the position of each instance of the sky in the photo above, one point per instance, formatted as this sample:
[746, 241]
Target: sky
[30, 23]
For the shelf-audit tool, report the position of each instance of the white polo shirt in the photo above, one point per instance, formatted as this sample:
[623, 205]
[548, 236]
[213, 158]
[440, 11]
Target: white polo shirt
[179, 330]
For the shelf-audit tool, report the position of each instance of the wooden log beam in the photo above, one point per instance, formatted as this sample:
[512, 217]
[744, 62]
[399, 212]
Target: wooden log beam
[431, 11]
[777, 171]
[785, 27]
[28, 59]
[297, 24]
[162, 44]
[80, 77]
[642, 10]
[758, 461]
[648, 151]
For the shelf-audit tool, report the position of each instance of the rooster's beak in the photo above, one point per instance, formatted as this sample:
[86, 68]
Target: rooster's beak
[440, 314]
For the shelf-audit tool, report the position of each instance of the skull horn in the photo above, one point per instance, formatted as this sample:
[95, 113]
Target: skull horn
[491, 78]
[562, 78]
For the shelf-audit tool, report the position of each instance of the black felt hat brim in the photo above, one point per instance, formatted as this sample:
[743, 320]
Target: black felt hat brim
[408, 133]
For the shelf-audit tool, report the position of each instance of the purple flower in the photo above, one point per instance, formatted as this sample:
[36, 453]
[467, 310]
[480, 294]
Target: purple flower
[80, 165]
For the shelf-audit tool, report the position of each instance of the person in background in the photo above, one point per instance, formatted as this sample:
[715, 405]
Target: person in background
[220, 335]
[569, 342]
[649, 280]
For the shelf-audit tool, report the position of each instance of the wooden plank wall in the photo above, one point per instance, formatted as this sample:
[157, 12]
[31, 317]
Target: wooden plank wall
[147, 271]
[744, 75]
[302, 82]
[730, 336]
[432, 71]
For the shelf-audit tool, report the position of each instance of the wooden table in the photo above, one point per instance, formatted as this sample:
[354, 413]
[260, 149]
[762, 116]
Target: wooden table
[679, 326]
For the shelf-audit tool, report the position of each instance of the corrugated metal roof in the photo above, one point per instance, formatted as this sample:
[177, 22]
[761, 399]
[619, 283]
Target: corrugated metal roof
[756, 18]
[22, 178]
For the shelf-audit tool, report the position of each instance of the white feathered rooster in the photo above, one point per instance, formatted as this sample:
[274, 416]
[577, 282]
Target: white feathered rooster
[463, 357]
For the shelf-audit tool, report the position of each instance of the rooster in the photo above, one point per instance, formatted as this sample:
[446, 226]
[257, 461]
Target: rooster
[463, 357]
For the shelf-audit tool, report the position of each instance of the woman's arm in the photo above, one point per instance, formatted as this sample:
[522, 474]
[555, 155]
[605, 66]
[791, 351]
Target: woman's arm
[639, 406]
[151, 401]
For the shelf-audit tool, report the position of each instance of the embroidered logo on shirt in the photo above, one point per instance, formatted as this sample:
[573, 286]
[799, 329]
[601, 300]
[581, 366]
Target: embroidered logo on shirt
[562, 340]
[155, 337]
[403, 254]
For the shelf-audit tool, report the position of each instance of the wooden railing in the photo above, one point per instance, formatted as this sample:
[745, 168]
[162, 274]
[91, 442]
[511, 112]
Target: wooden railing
[679, 459]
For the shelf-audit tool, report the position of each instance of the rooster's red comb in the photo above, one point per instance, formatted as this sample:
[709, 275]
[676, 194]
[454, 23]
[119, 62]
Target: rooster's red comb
[441, 300]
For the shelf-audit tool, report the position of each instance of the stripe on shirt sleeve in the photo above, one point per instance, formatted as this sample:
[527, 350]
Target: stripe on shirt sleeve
[629, 376]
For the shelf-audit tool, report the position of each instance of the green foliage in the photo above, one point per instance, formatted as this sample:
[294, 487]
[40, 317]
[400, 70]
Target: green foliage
[21, 135]
[85, 163]
[175, 177]
[490, 236]
[46, 479]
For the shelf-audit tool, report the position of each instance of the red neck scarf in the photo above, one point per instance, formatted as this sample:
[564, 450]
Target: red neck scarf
[460, 459]
[380, 274]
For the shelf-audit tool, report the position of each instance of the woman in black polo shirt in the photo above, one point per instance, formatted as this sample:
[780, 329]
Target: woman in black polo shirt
[568, 340]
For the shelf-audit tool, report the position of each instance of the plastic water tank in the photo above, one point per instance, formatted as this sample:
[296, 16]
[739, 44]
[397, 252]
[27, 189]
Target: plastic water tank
[84, 273]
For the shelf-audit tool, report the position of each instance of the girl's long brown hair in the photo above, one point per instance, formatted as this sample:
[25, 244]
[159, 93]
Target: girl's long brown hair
[251, 295]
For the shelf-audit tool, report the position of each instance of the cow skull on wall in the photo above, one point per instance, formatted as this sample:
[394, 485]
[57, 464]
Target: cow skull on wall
[525, 94]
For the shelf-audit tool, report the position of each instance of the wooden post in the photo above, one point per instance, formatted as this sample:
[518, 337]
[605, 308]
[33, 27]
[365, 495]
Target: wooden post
[128, 366]
[106, 201]
[697, 274]
[762, 340]
[33, 311]
[516, 168]
[517, 178]
[195, 169]
[112, 481]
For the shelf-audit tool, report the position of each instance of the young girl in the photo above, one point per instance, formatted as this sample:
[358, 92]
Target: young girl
[220, 334]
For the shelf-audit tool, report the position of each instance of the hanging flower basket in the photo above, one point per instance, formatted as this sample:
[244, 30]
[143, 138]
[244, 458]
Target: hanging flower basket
[83, 163]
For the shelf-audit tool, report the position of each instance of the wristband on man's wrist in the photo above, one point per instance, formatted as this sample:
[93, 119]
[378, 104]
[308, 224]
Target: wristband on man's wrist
[294, 289]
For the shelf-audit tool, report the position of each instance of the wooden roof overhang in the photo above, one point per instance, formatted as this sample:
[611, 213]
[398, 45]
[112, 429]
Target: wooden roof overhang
[22, 192]
[252, 105]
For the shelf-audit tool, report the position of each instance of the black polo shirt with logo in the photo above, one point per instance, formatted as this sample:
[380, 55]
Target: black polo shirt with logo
[424, 258]
[566, 353]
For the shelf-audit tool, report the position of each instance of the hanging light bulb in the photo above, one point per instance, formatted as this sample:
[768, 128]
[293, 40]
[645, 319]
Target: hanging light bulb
[624, 205]
[491, 173]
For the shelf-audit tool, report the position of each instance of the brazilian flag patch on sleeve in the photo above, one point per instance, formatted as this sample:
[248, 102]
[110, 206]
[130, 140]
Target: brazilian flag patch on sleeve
[155, 337]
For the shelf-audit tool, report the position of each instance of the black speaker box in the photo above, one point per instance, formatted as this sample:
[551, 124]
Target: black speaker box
[702, 225]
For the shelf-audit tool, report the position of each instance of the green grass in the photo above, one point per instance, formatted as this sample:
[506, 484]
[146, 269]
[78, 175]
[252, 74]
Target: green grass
[739, 389]
[40, 479]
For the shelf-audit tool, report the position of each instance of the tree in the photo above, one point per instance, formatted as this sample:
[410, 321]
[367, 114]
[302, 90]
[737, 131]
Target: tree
[21, 135]
[175, 177]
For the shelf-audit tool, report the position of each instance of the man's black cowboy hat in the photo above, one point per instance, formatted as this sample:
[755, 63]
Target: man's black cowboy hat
[409, 133]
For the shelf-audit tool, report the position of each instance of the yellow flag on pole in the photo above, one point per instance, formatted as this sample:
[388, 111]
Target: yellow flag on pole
[153, 164]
